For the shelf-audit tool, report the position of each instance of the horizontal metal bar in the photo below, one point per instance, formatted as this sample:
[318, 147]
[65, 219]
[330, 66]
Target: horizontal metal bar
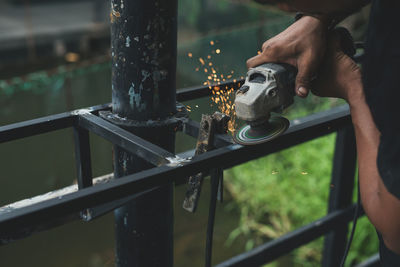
[286, 243]
[301, 130]
[194, 92]
[92, 213]
[128, 141]
[64, 120]
[52, 194]
[36, 126]
[98, 211]
[18, 233]
[42, 125]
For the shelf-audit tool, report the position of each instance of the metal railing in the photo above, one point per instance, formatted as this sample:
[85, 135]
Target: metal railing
[20, 222]
[142, 102]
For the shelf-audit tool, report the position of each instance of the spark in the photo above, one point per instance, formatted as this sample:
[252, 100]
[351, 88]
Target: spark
[72, 57]
[202, 61]
[220, 97]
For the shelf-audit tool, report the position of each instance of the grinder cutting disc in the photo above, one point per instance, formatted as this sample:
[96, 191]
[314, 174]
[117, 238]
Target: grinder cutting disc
[276, 126]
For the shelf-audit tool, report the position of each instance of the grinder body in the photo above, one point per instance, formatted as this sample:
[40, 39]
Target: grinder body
[268, 88]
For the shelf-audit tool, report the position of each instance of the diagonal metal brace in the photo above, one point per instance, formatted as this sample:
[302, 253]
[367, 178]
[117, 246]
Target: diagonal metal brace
[209, 126]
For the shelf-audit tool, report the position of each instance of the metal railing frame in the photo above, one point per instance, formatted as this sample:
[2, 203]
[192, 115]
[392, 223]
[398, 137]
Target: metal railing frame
[18, 223]
[91, 201]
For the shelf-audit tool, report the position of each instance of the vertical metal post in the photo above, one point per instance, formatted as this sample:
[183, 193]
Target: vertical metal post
[143, 45]
[341, 193]
[82, 157]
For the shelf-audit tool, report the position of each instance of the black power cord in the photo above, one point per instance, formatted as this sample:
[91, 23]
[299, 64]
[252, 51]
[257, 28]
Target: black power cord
[215, 182]
[353, 229]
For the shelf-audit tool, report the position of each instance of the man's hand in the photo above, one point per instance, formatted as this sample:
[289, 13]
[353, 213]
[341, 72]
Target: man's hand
[302, 45]
[338, 75]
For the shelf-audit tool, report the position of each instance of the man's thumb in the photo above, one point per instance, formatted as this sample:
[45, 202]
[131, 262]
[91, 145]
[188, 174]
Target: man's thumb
[303, 82]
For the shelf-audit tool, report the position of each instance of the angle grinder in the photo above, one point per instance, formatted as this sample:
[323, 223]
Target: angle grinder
[270, 88]
[267, 88]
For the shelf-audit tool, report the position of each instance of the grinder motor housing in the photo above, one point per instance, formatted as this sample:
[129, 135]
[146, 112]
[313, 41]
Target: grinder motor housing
[267, 88]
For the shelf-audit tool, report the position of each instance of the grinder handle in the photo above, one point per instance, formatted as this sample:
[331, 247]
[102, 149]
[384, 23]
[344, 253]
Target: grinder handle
[285, 75]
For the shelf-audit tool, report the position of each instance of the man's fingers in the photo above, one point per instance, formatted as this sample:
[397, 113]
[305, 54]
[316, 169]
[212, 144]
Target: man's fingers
[270, 53]
[304, 76]
[255, 61]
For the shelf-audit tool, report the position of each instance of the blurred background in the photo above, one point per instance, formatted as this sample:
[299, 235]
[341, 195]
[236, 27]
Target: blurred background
[55, 57]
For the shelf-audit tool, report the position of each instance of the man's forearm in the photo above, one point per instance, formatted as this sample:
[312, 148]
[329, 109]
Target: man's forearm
[381, 207]
[339, 11]
[326, 10]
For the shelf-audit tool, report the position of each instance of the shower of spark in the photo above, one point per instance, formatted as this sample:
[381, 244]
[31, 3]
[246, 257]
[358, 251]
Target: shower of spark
[222, 96]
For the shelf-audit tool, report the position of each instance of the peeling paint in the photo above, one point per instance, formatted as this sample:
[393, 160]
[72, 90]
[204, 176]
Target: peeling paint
[131, 94]
[81, 111]
[176, 161]
[135, 99]
[124, 165]
[114, 13]
[145, 75]
[128, 41]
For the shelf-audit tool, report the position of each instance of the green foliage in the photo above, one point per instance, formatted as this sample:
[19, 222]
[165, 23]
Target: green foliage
[286, 190]
[283, 191]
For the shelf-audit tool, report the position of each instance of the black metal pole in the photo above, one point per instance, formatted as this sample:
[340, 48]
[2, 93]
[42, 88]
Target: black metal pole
[341, 193]
[143, 45]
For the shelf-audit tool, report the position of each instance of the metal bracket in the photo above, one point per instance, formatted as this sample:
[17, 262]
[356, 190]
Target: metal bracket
[210, 125]
[174, 121]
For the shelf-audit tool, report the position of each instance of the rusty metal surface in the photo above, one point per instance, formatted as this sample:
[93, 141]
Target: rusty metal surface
[210, 125]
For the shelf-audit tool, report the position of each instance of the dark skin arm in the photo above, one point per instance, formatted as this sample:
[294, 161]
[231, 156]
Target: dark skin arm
[305, 45]
[341, 77]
